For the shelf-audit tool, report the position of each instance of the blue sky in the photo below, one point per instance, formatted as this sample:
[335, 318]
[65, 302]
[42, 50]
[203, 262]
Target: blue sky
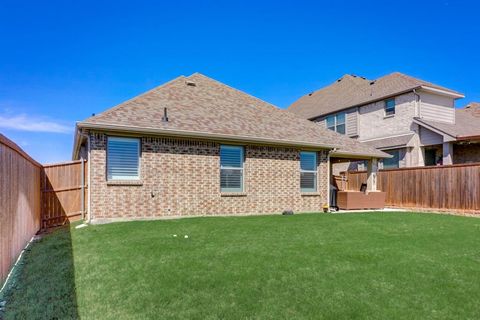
[61, 61]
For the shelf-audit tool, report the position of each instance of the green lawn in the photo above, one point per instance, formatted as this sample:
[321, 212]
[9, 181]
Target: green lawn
[375, 265]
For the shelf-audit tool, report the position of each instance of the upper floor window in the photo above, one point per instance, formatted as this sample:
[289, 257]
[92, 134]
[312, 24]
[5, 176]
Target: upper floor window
[308, 171]
[336, 122]
[231, 168]
[123, 158]
[389, 107]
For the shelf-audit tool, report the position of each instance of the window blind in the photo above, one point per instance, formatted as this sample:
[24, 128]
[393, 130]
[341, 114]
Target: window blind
[231, 168]
[123, 158]
[308, 171]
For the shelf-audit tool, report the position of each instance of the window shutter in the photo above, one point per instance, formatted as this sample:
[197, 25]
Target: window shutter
[123, 158]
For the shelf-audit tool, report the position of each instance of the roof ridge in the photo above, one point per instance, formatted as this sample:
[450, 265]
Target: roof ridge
[232, 88]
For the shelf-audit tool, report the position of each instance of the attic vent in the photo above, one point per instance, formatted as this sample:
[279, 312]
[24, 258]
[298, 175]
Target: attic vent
[310, 94]
[372, 83]
[165, 117]
[339, 79]
[191, 83]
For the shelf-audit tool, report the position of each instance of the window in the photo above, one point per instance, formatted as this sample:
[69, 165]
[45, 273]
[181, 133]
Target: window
[123, 155]
[336, 122]
[392, 163]
[308, 171]
[389, 107]
[231, 169]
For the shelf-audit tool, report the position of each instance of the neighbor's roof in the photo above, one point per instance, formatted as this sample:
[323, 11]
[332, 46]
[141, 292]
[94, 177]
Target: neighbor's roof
[205, 108]
[467, 123]
[350, 91]
[390, 142]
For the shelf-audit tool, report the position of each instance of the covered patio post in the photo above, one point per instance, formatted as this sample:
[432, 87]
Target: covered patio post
[447, 153]
[372, 170]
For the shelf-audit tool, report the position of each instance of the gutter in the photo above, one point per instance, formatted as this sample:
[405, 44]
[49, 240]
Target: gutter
[201, 135]
[466, 138]
[417, 102]
[455, 95]
[345, 154]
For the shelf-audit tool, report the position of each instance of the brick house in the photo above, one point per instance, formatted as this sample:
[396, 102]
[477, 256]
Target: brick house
[195, 146]
[413, 120]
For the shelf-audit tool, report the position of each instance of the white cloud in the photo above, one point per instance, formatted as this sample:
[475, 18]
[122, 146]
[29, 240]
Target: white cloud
[24, 122]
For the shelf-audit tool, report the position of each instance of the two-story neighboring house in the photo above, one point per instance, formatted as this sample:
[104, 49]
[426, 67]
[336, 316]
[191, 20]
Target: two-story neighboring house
[413, 120]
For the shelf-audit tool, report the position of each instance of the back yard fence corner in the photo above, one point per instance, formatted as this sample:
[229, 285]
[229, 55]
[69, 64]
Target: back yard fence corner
[35, 197]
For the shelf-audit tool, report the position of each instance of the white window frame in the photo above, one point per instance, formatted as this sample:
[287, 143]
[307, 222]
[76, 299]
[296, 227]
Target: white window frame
[393, 111]
[315, 172]
[241, 169]
[132, 178]
[336, 124]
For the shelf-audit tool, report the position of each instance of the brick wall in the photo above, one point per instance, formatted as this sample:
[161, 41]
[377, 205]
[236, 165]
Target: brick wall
[182, 178]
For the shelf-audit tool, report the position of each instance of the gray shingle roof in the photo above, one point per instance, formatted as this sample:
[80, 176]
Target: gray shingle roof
[390, 142]
[200, 106]
[467, 123]
[350, 91]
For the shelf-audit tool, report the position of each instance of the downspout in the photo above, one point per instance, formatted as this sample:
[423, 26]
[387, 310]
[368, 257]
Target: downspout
[419, 151]
[417, 102]
[82, 134]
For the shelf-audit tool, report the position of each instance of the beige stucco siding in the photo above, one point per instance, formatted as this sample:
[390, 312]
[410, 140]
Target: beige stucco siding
[436, 107]
[374, 124]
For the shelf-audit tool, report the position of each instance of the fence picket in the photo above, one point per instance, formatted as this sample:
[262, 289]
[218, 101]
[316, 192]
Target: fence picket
[454, 187]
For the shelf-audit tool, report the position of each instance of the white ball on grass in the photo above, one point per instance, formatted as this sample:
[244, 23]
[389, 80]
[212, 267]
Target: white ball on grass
[186, 236]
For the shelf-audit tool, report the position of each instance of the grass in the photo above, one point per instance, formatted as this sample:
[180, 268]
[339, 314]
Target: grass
[375, 265]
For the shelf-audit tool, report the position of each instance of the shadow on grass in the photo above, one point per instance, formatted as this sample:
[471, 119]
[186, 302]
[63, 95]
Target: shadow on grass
[43, 283]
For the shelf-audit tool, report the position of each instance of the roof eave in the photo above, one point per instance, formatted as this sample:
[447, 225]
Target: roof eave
[77, 141]
[455, 95]
[200, 135]
[359, 155]
[358, 105]
[466, 138]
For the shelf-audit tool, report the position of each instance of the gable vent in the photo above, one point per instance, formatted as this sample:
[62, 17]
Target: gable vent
[191, 83]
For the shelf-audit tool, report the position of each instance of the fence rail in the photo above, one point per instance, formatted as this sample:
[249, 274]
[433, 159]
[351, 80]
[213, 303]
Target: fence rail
[454, 187]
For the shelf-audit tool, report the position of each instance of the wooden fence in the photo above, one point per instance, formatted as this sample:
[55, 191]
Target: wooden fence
[19, 202]
[34, 197]
[64, 192]
[443, 188]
